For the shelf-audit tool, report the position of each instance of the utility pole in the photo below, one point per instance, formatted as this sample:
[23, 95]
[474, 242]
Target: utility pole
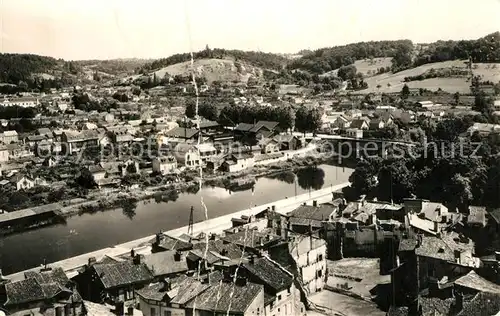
[190, 224]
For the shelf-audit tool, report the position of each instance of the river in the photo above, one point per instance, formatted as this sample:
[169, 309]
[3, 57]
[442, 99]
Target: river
[89, 232]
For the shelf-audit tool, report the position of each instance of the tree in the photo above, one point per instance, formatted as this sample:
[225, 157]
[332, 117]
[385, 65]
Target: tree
[482, 103]
[311, 178]
[86, 179]
[190, 110]
[347, 72]
[456, 98]
[405, 92]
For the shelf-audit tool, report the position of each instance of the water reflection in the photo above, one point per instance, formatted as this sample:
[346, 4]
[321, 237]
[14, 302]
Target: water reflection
[129, 208]
[166, 196]
[286, 176]
[311, 178]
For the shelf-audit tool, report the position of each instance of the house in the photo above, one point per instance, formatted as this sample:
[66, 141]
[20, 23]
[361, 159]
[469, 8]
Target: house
[238, 162]
[112, 281]
[287, 142]
[305, 217]
[309, 254]
[25, 102]
[268, 145]
[483, 128]
[256, 242]
[166, 263]
[377, 123]
[361, 123]
[9, 137]
[98, 172]
[181, 134]
[354, 133]
[476, 216]
[163, 242]
[4, 153]
[249, 133]
[342, 122]
[428, 261]
[22, 182]
[186, 295]
[44, 131]
[425, 104]
[17, 151]
[164, 165]
[207, 152]
[44, 292]
[187, 156]
[281, 294]
[78, 141]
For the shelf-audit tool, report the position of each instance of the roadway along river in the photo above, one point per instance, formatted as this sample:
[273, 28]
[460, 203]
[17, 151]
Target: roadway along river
[89, 232]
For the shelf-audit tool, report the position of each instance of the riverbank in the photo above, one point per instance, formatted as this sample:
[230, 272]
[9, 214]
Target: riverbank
[213, 225]
[188, 182]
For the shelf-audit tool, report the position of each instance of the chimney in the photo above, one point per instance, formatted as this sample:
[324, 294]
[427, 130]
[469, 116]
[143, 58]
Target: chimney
[374, 218]
[137, 259]
[315, 203]
[158, 237]
[130, 311]
[439, 212]
[436, 226]
[91, 261]
[177, 256]
[459, 301]
[241, 281]
[119, 308]
[132, 253]
[166, 285]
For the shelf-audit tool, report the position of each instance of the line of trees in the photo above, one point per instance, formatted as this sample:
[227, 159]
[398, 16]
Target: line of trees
[327, 59]
[288, 117]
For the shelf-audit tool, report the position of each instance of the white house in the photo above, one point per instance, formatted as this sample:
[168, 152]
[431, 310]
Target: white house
[164, 165]
[4, 153]
[238, 162]
[354, 132]
[187, 155]
[25, 102]
[8, 137]
[207, 151]
[22, 182]
[496, 104]
[309, 253]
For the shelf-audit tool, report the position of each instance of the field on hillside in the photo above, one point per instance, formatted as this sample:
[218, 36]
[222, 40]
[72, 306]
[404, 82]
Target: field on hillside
[212, 70]
[366, 66]
[452, 85]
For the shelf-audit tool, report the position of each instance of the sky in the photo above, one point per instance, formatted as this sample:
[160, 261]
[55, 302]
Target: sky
[107, 29]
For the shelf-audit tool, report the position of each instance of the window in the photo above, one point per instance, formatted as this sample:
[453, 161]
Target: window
[279, 298]
[168, 313]
[153, 311]
[289, 290]
[320, 273]
[320, 257]
[278, 310]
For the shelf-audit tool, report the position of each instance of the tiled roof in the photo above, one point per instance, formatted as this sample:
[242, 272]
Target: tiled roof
[269, 125]
[482, 304]
[171, 243]
[398, 311]
[251, 238]
[473, 281]
[407, 245]
[269, 273]
[229, 250]
[56, 275]
[122, 273]
[153, 291]
[319, 213]
[24, 291]
[368, 207]
[181, 132]
[189, 289]
[435, 306]
[197, 254]
[243, 127]
[444, 248]
[240, 300]
[164, 263]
